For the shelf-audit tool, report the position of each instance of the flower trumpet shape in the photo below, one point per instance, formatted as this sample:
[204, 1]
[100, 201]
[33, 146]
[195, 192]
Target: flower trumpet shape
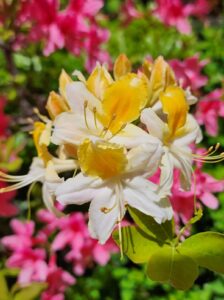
[111, 179]
[176, 129]
[44, 168]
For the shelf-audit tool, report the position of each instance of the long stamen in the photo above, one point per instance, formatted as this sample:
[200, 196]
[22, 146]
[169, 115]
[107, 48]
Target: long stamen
[105, 130]
[41, 117]
[85, 117]
[118, 190]
[208, 156]
[95, 119]
[114, 134]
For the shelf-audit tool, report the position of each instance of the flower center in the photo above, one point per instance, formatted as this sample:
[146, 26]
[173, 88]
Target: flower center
[101, 159]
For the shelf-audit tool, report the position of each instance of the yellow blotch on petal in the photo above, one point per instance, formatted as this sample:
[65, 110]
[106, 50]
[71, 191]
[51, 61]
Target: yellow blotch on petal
[40, 134]
[122, 66]
[101, 159]
[176, 107]
[161, 77]
[64, 79]
[123, 101]
[98, 81]
[56, 104]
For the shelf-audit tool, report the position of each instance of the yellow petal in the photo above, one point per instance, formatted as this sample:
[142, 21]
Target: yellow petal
[56, 105]
[176, 107]
[38, 133]
[64, 79]
[122, 66]
[123, 101]
[161, 76]
[102, 159]
[98, 81]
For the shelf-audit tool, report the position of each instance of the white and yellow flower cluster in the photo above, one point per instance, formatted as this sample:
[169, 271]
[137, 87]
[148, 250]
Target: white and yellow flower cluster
[113, 133]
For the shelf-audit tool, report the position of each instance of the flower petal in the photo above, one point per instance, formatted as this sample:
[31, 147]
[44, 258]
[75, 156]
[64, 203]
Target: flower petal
[102, 222]
[77, 190]
[140, 194]
[154, 124]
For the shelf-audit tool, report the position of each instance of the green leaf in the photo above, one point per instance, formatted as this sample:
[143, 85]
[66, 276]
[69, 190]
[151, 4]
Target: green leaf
[162, 232]
[207, 249]
[137, 245]
[30, 292]
[4, 292]
[167, 265]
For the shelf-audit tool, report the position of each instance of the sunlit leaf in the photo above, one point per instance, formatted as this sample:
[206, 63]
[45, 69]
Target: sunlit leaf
[30, 292]
[137, 245]
[207, 249]
[167, 265]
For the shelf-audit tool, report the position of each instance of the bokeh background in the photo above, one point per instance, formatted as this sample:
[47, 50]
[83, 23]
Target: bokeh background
[54, 259]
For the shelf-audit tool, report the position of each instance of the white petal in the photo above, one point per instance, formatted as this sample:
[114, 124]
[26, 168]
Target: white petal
[78, 190]
[77, 94]
[140, 194]
[131, 136]
[192, 133]
[69, 128]
[101, 224]
[153, 123]
[48, 198]
[145, 159]
[183, 161]
[166, 176]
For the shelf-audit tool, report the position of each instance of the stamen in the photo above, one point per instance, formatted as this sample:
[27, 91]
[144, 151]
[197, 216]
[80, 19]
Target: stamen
[105, 129]
[85, 108]
[119, 198]
[95, 119]
[41, 117]
[106, 210]
[113, 135]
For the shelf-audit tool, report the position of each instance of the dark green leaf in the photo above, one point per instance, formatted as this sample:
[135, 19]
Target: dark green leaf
[162, 232]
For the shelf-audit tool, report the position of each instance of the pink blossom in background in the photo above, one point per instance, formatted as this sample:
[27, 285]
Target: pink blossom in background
[39, 263]
[7, 208]
[83, 250]
[4, 119]
[209, 108]
[175, 13]
[188, 72]
[199, 9]
[74, 28]
[129, 12]
[58, 280]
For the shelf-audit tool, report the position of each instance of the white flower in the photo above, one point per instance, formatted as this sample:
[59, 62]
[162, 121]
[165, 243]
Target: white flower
[176, 134]
[111, 179]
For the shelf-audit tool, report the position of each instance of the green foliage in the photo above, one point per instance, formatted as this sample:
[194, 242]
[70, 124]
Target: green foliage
[167, 265]
[168, 259]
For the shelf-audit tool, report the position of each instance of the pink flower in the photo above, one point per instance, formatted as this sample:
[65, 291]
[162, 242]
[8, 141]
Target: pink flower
[199, 8]
[209, 109]
[129, 12]
[74, 28]
[7, 208]
[188, 72]
[173, 13]
[83, 250]
[58, 280]
[3, 117]
[206, 185]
